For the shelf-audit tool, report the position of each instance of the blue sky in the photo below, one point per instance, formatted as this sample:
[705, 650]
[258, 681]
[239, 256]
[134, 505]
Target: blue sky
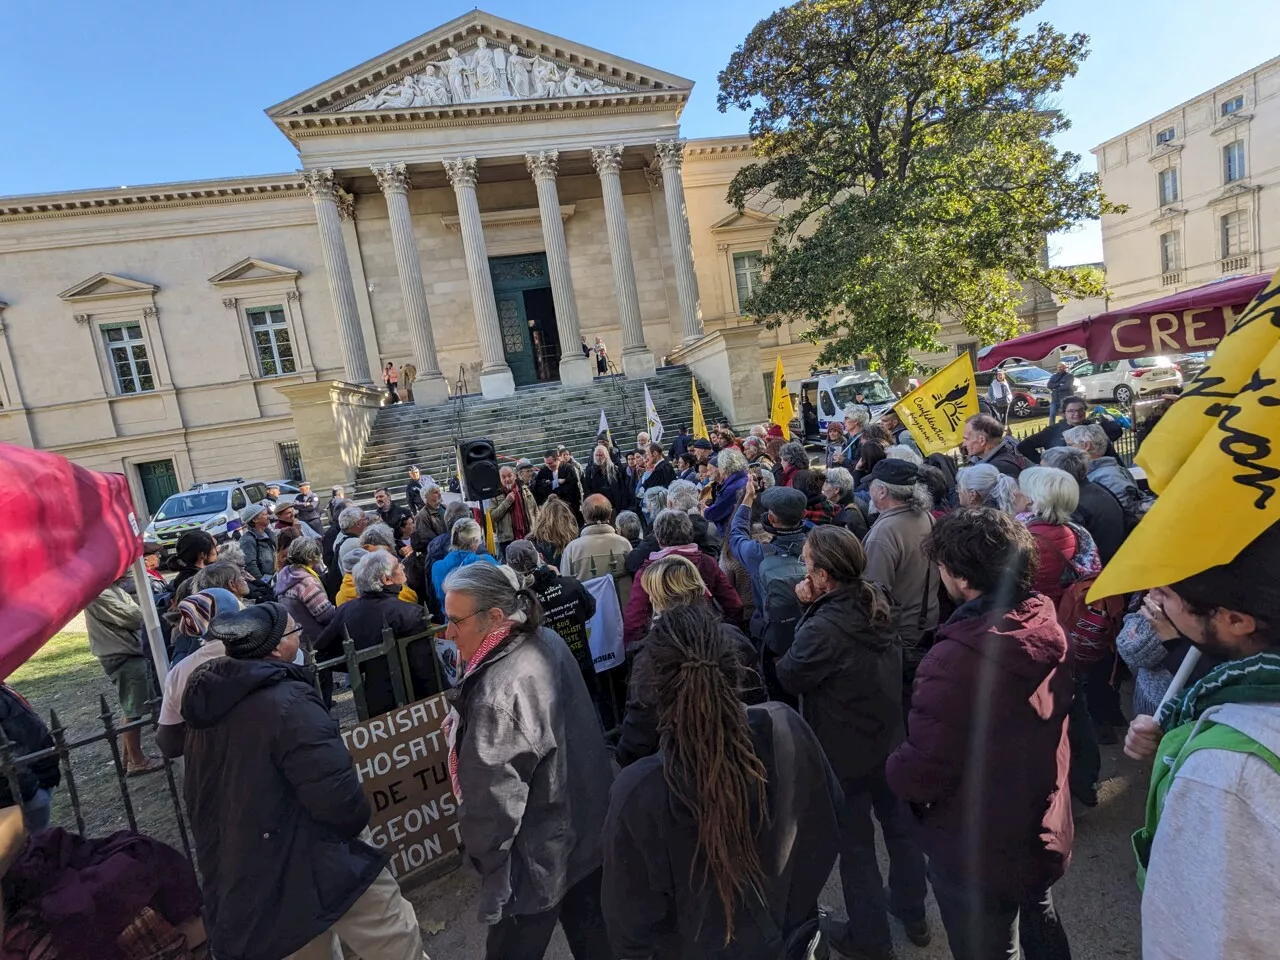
[145, 91]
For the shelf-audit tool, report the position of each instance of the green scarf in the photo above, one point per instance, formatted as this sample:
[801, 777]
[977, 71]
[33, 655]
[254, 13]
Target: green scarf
[1254, 679]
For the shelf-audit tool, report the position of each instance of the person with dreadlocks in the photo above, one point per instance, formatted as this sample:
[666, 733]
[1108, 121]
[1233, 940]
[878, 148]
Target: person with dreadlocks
[718, 845]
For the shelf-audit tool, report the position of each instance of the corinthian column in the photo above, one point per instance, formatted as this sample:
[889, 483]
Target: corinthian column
[324, 192]
[575, 369]
[671, 156]
[429, 387]
[495, 375]
[637, 359]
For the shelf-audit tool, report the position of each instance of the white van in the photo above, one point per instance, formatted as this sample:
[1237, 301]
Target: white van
[825, 398]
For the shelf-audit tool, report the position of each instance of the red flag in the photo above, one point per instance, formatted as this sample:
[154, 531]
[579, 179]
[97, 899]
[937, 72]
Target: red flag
[67, 534]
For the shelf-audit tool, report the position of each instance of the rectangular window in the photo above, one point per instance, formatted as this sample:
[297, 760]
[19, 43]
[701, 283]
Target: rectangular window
[291, 460]
[1233, 162]
[127, 354]
[1166, 135]
[746, 275]
[1170, 252]
[1234, 105]
[1168, 182]
[271, 339]
[971, 349]
[1233, 234]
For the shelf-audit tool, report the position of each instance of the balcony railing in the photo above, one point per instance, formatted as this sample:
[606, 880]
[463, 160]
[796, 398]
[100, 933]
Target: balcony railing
[1235, 264]
[1170, 279]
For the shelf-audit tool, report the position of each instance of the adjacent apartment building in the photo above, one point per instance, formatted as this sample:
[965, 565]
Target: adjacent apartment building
[1202, 184]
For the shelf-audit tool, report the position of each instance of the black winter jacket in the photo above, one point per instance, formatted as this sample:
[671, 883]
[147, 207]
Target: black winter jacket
[615, 491]
[848, 676]
[652, 907]
[275, 806]
[364, 618]
[28, 734]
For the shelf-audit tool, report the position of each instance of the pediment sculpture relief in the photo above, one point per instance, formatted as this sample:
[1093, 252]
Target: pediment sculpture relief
[489, 73]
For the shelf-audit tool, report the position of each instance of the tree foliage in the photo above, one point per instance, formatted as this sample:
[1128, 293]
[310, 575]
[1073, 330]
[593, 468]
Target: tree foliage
[909, 144]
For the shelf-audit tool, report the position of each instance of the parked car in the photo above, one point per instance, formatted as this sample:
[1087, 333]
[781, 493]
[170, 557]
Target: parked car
[1122, 380]
[1030, 395]
[213, 507]
[1190, 364]
[826, 397]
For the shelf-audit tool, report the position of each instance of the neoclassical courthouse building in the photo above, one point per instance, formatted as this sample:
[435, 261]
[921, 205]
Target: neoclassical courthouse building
[474, 202]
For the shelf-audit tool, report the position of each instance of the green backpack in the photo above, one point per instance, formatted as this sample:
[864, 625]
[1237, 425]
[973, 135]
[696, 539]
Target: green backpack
[1176, 745]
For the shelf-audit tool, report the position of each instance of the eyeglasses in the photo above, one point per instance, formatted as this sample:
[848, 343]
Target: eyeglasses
[454, 622]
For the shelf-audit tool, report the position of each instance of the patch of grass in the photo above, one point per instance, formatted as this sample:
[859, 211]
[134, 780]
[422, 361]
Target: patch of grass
[65, 655]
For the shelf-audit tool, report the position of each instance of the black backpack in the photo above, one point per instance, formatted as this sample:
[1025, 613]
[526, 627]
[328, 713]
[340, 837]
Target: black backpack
[778, 574]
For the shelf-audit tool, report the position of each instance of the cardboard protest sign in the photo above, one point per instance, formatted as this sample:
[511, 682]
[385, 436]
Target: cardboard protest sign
[403, 763]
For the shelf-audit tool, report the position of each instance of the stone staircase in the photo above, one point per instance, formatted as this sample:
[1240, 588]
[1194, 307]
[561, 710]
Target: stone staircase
[536, 419]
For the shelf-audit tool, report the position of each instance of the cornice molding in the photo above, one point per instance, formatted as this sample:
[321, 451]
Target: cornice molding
[523, 217]
[161, 196]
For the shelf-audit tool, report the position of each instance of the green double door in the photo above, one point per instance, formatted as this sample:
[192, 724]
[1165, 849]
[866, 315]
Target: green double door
[526, 317]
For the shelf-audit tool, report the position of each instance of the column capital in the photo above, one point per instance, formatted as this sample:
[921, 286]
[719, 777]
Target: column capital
[321, 183]
[670, 153]
[607, 159]
[461, 171]
[653, 173]
[544, 165]
[230, 302]
[346, 205]
[392, 177]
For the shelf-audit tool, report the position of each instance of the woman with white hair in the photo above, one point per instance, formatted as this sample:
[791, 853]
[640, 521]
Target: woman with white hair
[379, 577]
[375, 537]
[535, 790]
[982, 485]
[466, 546]
[733, 481]
[1046, 499]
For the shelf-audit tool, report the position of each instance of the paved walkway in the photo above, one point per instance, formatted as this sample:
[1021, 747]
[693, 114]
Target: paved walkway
[1098, 899]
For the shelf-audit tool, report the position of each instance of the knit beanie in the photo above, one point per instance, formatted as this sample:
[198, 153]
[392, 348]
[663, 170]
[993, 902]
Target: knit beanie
[252, 633]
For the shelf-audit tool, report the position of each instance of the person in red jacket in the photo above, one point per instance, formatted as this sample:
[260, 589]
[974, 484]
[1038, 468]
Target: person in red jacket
[984, 766]
[674, 532]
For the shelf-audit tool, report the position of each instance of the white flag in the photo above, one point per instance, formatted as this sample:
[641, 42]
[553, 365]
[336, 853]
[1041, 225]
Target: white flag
[652, 420]
[604, 426]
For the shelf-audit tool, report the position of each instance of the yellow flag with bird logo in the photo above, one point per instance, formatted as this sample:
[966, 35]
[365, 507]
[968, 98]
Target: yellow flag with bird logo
[935, 411]
[1214, 456]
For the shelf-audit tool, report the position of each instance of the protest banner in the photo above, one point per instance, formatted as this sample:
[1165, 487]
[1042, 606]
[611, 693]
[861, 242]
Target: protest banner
[402, 761]
[936, 410]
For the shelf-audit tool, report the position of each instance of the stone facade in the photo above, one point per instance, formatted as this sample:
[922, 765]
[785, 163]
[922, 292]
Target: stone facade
[167, 330]
[1200, 183]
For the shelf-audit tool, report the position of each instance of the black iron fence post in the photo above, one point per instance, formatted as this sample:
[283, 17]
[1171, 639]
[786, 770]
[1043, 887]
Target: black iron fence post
[59, 733]
[108, 724]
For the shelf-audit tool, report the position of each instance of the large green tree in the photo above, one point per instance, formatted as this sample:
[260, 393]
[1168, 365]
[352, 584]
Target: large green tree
[909, 144]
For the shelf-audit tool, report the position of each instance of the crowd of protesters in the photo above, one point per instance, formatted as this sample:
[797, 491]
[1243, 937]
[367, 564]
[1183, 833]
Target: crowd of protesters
[814, 643]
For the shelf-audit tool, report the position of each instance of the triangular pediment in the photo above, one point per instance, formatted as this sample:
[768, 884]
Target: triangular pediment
[423, 76]
[250, 269]
[744, 220]
[103, 286]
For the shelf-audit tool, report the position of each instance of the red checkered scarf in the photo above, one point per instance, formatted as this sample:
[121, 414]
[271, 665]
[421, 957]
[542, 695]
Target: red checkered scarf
[486, 647]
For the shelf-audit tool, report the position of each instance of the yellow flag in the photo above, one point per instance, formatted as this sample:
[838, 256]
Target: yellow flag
[936, 410]
[1214, 458]
[784, 410]
[699, 424]
[488, 533]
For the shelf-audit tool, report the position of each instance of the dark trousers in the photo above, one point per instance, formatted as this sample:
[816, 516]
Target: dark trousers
[981, 926]
[868, 924]
[579, 914]
[1086, 758]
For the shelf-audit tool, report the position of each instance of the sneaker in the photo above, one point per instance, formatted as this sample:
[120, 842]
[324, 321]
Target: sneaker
[917, 930]
[836, 935]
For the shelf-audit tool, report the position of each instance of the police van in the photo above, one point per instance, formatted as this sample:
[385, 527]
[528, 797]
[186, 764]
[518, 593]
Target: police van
[827, 396]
